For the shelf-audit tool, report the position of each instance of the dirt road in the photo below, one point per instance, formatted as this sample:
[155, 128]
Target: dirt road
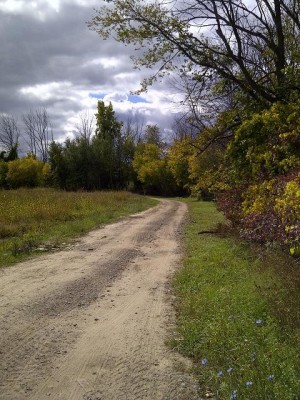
[90, 322]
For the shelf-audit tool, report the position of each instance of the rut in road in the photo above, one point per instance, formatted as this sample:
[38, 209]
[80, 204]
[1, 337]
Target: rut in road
[91, 322]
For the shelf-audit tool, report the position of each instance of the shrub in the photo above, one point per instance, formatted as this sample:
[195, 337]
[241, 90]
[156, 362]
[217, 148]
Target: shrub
[267, 144]
[3, 173]
[25, 172]
[268, 211]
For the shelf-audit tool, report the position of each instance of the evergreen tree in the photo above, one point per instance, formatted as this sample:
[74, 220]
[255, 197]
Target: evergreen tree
[108, 146]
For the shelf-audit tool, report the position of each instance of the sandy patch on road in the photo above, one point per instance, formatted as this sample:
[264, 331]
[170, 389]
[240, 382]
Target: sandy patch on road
[91, 322]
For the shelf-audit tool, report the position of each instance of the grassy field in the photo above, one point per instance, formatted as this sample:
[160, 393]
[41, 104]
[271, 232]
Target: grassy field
[37, 220]
[238, 313]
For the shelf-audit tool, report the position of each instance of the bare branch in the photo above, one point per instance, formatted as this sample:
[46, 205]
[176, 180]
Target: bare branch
[38, 131]
[9, 132]
[86, 126]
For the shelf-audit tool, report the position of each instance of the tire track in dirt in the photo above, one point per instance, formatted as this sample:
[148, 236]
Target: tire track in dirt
[90, 322]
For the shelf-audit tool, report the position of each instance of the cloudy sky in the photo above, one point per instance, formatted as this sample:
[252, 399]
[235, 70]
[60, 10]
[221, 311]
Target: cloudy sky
[49, 58]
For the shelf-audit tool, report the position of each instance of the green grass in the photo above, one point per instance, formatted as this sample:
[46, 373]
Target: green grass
[238, 314]
[33, 219]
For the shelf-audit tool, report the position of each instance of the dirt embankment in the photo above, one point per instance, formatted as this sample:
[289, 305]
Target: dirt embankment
[90, 322]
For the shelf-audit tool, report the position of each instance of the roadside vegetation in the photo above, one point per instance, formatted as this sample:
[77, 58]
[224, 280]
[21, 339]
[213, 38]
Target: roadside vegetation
[238, 312]
[36, 220]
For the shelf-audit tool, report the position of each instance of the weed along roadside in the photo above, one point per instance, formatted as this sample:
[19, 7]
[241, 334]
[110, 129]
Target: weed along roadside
[238, 313]
[38, 220]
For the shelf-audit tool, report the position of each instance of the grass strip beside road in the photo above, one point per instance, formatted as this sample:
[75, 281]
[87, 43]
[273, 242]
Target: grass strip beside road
[238, 313]
[36, 220]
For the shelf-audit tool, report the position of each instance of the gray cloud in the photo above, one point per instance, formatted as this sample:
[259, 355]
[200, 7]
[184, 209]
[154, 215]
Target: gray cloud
[53, 60]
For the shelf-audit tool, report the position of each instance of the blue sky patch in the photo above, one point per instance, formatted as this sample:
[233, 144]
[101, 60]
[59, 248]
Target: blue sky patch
[96, 95]
[136, 99]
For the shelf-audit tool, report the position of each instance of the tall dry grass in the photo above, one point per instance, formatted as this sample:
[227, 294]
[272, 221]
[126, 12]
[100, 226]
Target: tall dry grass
[29, 217]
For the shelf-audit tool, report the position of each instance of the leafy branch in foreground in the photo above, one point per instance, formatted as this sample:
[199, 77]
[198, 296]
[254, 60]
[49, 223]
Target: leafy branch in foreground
[255, 47]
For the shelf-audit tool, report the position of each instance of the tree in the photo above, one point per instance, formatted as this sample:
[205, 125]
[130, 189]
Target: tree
[108, 144]
[86, 126]
[184, 127]
[266, 145]
[133, 126]
[73, 165]
[179, 158]
[58, 166]
[248, 47]
[11, 155]
[151, 166]
[107, 125]
[9, 132]
[152, 135]
[79, 162]
[101, 162]
[38, 131]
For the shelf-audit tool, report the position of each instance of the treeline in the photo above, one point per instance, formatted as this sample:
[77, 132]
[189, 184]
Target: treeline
[112, 156]
[101, 161]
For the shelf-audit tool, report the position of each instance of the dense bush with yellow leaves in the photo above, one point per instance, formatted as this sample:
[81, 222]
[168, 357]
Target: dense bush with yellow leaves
[151, 166]
[263, 173]
[266, 145]
[179, 158]
[268, 211]
[26, 172]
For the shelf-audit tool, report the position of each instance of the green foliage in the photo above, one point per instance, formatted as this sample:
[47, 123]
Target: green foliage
[238, 314]
[11, 155]
[205, 171]
[3, 173]
[288, 208]
[107, 126]
[58, 170]
[105, 162]
[25, 172]
[267, 144]
[194, 169]
[108, 144]
[78, 160]
[152, 135]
